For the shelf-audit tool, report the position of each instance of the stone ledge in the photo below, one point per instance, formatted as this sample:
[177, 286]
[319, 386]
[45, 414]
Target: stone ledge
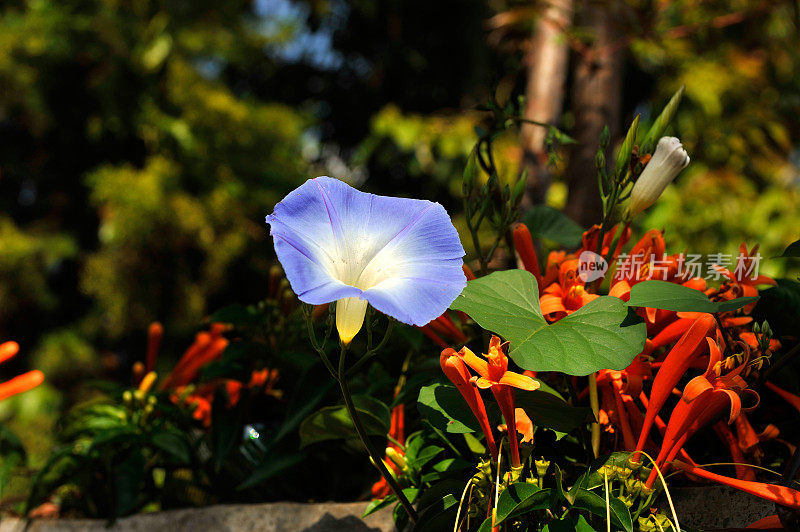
[269, 517]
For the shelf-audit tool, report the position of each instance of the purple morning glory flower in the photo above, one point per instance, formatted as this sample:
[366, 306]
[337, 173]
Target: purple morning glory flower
[402, 256]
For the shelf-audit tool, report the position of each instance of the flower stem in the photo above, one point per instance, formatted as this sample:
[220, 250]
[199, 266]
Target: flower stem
[595, 404]
[362, 434]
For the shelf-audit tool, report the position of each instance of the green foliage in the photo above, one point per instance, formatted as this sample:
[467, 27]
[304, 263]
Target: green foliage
[546, 222]
[550, 411]
[605, 334]
[792, 250]
[735, 121]
[334, 423]
[672, 296]
[25, 258]
[114, 454]
[179, 169]
[443, 407]
[520, 498]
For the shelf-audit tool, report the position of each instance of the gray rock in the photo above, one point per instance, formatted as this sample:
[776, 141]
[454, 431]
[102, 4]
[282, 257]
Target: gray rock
[716, 507]
[271, 517]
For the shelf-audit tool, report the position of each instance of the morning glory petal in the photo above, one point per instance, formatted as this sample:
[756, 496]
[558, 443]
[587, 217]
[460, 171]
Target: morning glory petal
[401, 255]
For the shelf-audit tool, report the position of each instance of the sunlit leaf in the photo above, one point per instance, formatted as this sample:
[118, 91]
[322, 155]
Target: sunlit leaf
[603, 334]
[671, 296]
[546, 222]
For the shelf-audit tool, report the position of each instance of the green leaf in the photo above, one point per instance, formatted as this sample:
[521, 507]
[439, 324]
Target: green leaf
[175, 444]
[379, 504]
[426, 455]
[444, 408]
[299, 409]
[8, 462]
[793, 250]
[236, 315]
[604, 334]
[486, 526]
[624, 156]
[671, 296]
[374, 406]
[520, 498]
[334, 423]
[9, 443]
[227, 426]
[660, 125]
[128, 482]
[592, 478]
[548, 411]
[569, 524]
[550, 223]
[438, 505]
[270, 467]
[594, 503]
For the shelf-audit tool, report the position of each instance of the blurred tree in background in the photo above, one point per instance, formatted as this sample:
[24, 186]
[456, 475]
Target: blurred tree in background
[143, 141]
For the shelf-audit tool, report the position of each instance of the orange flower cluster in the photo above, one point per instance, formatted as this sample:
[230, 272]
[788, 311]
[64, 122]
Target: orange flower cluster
[394, 448]
[698, 342]
[20, 383]
[492, 374]
[207, 347]
[561, 288]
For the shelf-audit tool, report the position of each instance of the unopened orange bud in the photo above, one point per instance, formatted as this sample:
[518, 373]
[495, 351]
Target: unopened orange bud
[147, 382]
[154, 335]
[8, 350]
[20, 384]
[138, 372]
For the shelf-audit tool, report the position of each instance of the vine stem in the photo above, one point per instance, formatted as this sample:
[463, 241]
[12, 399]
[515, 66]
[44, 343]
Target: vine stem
[377, 460]
[595, 404]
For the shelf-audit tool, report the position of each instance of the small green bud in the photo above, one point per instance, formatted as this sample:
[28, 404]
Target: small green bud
[541, 466]
[605, 136]
[600, 160]
[519, 190]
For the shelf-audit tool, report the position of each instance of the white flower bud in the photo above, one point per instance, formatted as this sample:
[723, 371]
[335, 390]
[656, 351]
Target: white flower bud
[667, 162]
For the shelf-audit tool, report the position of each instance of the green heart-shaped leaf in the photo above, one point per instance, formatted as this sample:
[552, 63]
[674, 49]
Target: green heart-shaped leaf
[671, 296]
[552, 224]
[520, 498]
[589, 500]
[444, 408]
[604, 334]
[792, 250]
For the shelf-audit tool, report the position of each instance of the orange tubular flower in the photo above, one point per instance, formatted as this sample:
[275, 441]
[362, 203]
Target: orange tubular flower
[524, 425]
[553, 266]
[703, 399]
[21, 383]
[647, 260]
[741, 282]
[789, 397]
[568, 295]
[690, 346]
[207, 347]
[778, 494]
[397, 433]
[453, 366]
[772, 522]
[445, 326]
[154, 335]
[523, 243]
[726, 435]
[590, 236]
[494, 374]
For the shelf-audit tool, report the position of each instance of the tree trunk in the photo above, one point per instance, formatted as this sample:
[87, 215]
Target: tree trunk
[596, 103]
[546, 60]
